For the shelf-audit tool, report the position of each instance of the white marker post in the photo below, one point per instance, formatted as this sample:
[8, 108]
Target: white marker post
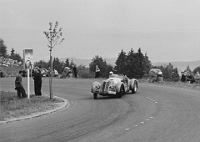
[28, 84]
[28, 60]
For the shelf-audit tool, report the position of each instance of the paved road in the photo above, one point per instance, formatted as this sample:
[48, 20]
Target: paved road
[154, 114]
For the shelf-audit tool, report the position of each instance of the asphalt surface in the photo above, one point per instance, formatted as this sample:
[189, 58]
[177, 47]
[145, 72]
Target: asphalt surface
[156, 113]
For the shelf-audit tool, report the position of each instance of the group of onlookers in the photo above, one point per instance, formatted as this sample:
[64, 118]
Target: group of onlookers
[8, 62]
[67, 72]
[190, 77]
[155, 75]
[37, 77]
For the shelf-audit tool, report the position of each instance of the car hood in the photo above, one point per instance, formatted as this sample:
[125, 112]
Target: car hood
[113, 80]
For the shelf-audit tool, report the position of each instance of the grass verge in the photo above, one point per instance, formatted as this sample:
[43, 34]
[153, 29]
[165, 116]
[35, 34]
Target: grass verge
[11, 106]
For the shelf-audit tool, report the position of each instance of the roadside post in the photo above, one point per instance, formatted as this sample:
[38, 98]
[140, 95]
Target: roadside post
[28, 62]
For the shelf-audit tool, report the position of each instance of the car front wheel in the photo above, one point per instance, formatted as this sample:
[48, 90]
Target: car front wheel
[121, 92]
[95, 95]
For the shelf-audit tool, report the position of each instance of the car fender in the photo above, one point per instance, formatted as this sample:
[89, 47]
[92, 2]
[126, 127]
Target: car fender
[118, 86]
[93, 87]
[132, 82]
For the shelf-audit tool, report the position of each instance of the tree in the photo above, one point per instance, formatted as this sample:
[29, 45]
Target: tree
[147, 64]
[42, 64]
[188, 68]
[53, 36]
[12, 52]
[57, 65]
[15, 56]
[175, 75]
[84, 72]
[140, 63]
[104, 68]
[66, 63]
[3, 49]
[131, 65]
[120, 63]
[71, 64]
[197, 69]
[97, 60]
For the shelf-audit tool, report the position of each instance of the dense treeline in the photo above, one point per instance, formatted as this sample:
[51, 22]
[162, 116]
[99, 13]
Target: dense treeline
[4, 53]
[133, 64]
[57, 64]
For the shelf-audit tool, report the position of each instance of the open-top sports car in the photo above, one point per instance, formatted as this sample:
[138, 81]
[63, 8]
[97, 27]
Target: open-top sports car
[115, 85]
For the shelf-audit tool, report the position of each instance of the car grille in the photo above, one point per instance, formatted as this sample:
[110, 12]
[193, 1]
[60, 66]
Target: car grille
[105, 86]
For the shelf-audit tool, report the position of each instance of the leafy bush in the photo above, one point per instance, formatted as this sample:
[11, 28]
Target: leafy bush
[85, 74]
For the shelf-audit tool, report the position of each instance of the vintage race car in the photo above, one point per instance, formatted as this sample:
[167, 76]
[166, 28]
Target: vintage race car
[116, 85]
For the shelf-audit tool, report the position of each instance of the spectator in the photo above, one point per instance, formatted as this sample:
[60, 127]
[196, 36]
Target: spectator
[159, 76]
[183, 77]
[110, 73]
[191, 78]
[97, 71]
[75, 71]
[37, 76]
[19, 87]
[197, 77]
[66, 72]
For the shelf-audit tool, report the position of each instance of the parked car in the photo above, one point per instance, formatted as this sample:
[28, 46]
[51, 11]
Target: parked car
[115, 85]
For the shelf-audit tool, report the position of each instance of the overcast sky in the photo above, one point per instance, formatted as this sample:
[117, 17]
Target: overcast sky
[167, 30]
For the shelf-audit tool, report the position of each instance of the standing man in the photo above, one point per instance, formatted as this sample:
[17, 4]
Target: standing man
[97, 71]
[75, 71]
[19, 87]
[37, 76]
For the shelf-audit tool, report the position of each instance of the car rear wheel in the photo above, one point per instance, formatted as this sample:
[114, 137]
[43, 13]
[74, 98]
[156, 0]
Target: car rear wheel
[134, 90]
[95, 95]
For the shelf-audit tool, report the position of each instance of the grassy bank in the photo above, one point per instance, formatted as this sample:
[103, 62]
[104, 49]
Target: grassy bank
[11, 106]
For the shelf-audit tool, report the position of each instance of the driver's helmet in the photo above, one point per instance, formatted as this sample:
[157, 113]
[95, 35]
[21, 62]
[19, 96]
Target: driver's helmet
[110, 73]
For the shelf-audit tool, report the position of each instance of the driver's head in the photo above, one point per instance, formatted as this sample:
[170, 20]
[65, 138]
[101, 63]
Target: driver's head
[110, 73]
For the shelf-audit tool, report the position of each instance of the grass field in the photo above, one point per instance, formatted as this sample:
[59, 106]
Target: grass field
[12, 106]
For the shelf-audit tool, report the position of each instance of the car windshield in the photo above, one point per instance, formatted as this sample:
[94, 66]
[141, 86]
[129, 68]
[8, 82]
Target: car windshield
[120, 76]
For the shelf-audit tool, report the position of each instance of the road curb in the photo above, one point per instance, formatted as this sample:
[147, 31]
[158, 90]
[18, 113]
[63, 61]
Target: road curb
[60, 106]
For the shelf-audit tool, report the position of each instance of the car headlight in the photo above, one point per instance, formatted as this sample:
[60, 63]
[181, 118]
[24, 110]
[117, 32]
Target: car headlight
[97, 87]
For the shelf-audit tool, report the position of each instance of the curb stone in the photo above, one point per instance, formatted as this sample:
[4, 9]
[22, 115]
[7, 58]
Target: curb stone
[60, 106]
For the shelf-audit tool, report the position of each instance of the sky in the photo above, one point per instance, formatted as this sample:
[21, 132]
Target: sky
[167, 30]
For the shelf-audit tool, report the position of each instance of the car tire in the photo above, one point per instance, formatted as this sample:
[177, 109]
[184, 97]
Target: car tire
[95, 95]
[120, 93]
[134, 90]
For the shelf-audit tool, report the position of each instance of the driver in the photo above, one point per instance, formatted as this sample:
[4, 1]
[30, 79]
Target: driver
[110, 74]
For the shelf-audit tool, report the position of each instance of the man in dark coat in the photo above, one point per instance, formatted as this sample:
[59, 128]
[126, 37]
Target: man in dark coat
[75, 71]
[97, 71]
[19, 87]
[37, 76]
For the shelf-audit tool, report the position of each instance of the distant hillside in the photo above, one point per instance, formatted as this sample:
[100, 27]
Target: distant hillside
[86, 62]
[182, 65]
